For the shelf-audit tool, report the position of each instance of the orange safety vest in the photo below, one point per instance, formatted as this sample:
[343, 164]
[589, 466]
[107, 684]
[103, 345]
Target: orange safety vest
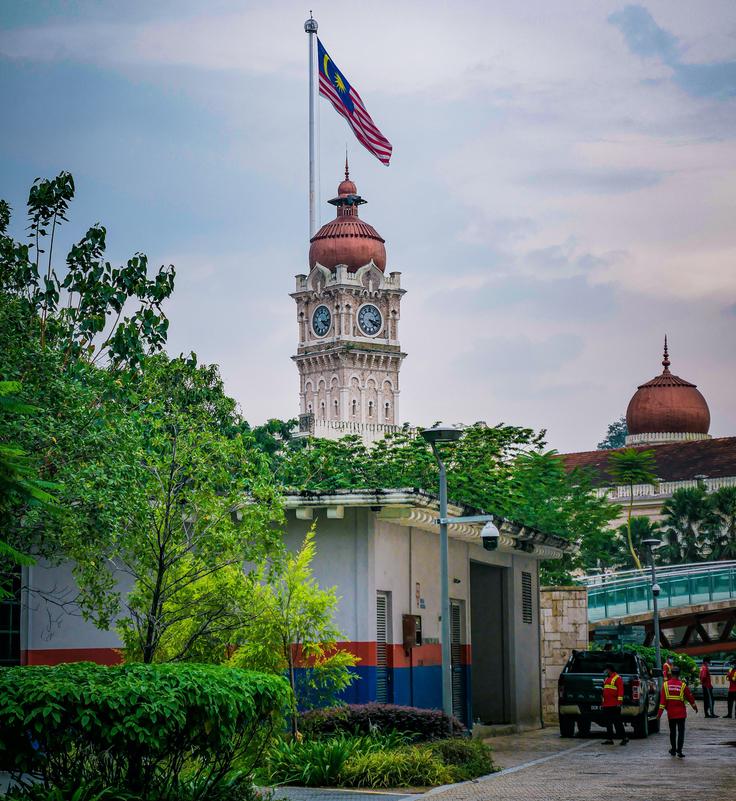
[731, 676]
[613, 691]
[673, 697]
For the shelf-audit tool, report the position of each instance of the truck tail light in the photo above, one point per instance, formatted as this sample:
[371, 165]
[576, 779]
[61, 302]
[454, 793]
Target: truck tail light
[636, 689]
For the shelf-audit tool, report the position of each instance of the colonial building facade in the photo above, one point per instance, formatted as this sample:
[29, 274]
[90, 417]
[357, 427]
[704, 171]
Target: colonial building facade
[348, 312]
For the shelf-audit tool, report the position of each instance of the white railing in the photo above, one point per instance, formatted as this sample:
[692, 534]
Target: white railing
[663, 489]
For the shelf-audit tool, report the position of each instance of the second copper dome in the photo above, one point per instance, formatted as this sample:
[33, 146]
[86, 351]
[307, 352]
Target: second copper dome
[668, 404]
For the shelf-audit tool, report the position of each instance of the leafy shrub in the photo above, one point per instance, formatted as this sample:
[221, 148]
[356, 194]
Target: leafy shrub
[71, 792]
[138, 727]
[411, 766]
[319, 762]
[467, 759]
[688, 666]
[422, 724]
[309, 763]
[236, 786]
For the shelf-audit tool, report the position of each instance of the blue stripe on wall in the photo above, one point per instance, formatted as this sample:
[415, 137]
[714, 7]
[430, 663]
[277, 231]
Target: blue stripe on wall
[418, 686]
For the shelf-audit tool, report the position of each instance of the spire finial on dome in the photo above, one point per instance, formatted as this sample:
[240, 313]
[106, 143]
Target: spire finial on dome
[347, 169]
[666, 359]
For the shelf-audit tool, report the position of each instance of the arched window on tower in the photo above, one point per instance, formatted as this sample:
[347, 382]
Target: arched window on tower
[337, 408]
[355, 407]
[309, 408]
[387, 412]
[322, 409]
[370, 408]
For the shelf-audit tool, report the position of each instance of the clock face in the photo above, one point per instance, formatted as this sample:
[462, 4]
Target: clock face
[321, 320]
[370, 320]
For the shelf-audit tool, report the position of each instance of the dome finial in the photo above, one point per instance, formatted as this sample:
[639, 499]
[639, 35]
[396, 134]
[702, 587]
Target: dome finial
[666, 359]
[347, 169]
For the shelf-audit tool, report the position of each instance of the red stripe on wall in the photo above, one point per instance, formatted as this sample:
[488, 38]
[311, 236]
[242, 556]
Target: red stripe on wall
[56, 656]
[421, 656]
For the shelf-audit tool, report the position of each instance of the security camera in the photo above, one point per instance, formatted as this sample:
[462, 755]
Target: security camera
[489, 536]
[656, 589]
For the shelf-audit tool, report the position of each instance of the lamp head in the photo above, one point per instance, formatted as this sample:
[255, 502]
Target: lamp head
[439, 433]
[656, 589]
[652, 543]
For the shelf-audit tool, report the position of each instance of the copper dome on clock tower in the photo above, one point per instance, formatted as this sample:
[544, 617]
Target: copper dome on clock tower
[666, 409]
[347, 239]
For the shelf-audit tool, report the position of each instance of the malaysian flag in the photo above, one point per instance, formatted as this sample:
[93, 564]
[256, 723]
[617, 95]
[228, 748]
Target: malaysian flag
[335, 87]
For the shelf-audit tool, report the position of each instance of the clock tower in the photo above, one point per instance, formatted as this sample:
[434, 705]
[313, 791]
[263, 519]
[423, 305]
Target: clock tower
[348, 312]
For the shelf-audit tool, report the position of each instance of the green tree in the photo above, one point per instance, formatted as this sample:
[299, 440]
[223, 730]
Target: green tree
[56, 325]
[688, 523]
[187, 546]
[90, 310]
[500, 469]
[615, 435]
[642, 528]
[629, 467]
[294, 630]
[723, 522]
[79, 438]
[19, 483]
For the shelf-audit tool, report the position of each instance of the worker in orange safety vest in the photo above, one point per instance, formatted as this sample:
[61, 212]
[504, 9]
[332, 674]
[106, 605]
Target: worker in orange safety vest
[667, 668]
[672, 700]
[731, 678]
[613, 699]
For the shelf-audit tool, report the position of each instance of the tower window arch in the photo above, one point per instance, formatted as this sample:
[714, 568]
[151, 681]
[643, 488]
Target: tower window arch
[387, 411]
[337, 407]
[322, 409]
[355, 406]
[370, 408]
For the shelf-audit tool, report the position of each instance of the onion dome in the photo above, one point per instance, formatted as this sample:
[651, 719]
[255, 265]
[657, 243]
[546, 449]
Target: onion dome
[667, 409]
[347, 239]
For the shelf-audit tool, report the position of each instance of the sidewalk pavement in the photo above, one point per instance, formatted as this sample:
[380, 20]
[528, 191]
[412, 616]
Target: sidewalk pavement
[539, 766]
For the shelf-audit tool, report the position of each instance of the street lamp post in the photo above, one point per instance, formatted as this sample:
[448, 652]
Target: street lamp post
[652, 544]
[434, 436]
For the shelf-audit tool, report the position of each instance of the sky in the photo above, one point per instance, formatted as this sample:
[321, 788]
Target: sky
[562, 192]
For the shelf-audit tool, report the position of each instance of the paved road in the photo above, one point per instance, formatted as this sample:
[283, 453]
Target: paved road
[539, 766]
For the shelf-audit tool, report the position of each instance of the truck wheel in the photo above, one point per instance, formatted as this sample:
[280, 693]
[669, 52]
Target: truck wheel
[641, 725]
[567, 726]
[583, 727]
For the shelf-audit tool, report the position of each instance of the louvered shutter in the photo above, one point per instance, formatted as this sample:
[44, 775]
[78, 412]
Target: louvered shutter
[456, 651]
[383, 639]
[526, 597]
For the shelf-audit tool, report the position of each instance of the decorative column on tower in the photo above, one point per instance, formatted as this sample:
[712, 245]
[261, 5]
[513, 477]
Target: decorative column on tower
[348, 313]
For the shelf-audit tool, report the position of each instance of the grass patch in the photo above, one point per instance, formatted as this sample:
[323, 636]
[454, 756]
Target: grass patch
[374, 761]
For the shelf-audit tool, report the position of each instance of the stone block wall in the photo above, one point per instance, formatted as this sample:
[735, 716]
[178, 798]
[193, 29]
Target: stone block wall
[564, 626]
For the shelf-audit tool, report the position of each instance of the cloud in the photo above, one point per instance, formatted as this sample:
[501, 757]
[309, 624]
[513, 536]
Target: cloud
[520, 354]
[646, 38]
[595, 180]
[643, 36]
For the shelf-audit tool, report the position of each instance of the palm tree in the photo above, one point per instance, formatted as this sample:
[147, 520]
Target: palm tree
[688, 520]
[723, 533]
[629, 467]
[642, 528]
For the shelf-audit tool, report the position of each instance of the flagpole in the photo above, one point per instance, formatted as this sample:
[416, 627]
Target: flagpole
[310, 27]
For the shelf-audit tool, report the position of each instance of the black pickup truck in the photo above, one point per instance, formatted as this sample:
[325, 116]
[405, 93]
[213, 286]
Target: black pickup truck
[580, 690]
